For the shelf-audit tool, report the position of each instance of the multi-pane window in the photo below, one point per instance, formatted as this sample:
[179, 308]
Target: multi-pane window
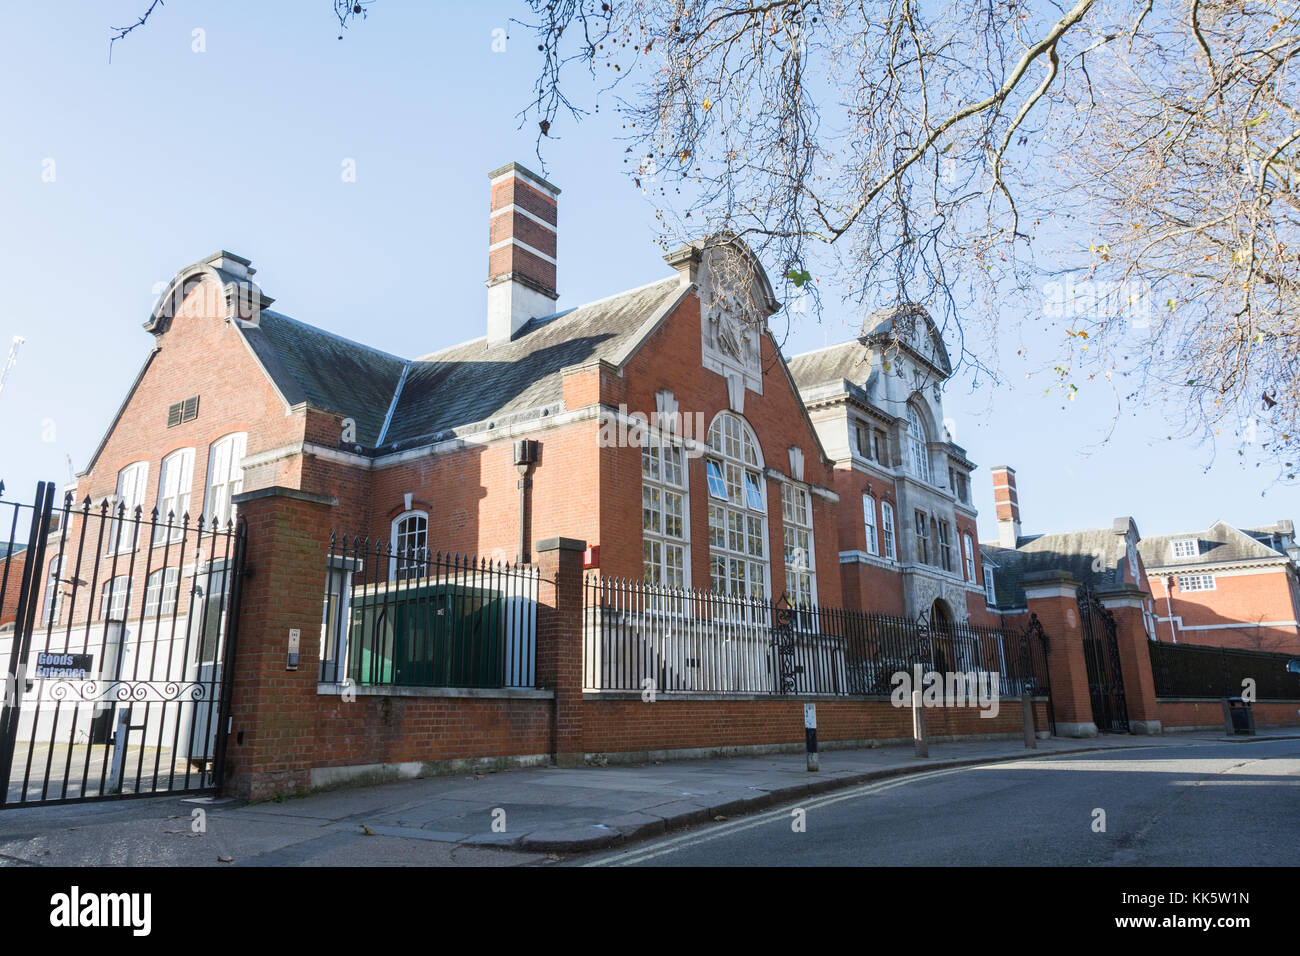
[990, 591]
[970, 557]
[737, 549]
[664, 525]
[1196, 582]
[918, 444]
[112, 598]
[945, 545]
[922, 523]
[174, 483]
[887, 529]
[882, 447]
[225, 477]
[1186, 548]
[130, 496]
[410, 545]
[869, 524]
[800, 570]
[160, 591]
[53, 595]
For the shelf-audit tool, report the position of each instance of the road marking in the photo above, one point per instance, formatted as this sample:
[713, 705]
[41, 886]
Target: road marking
[673, 844]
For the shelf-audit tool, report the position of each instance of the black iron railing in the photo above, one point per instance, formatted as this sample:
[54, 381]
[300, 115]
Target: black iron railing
[639, 635]
[1191, 670]
[115, 627]
[420, 618]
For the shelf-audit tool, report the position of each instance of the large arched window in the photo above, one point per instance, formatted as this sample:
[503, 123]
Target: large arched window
[174, 483]
[130, 496]
[918, 444]
[737, 510]
[410, 545]
[225, 477]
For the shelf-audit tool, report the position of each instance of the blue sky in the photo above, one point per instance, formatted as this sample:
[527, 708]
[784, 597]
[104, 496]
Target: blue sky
[169, 154]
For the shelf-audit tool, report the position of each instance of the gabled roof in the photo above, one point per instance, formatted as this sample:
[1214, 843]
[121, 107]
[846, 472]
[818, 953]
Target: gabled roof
[1091, 557]
[1221, 543]
[326, 370]
[474, 382]
[847, 361]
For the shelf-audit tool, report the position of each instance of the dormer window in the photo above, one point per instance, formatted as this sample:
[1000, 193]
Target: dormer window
[1187, 548]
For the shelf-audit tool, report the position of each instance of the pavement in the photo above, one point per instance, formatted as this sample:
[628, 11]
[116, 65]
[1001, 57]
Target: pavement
[516, 817]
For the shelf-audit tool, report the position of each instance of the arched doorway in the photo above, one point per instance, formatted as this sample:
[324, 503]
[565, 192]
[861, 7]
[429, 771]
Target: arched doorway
[941, 632]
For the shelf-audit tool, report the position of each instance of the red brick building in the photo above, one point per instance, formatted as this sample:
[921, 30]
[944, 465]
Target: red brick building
[1227, 587]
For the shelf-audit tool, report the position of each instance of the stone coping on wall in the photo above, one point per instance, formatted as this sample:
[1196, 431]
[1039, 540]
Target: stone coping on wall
[501, 693]
[691, 696]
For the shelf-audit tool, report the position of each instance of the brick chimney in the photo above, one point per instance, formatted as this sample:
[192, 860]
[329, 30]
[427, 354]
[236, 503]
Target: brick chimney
[1008, 506]
[521, 251]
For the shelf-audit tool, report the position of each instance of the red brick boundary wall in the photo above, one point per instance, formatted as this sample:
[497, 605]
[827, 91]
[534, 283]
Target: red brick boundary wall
[624, 728]
[289, 733]
[1207, 713]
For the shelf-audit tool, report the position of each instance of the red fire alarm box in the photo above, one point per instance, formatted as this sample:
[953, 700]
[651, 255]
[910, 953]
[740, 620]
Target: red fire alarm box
[591, 557]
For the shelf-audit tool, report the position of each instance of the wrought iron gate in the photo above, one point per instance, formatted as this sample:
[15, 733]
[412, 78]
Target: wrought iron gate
[1101, 654]
[117, 636]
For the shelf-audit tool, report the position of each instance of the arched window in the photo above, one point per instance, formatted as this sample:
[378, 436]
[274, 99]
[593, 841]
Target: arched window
[225, 477]
[160, 591]
[737, 510]
[410, 545]
[130, 495]
[113, 597]
[174, 483]
[918, 444]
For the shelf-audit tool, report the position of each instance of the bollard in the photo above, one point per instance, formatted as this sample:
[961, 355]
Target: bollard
[1027, 705]
[810, 735]
[918, 725]
[1227, 718]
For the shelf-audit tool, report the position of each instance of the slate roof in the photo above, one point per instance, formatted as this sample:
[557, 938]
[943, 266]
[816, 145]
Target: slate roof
[1091, 557]
[847, 361]
[328, 371]
[459, 386]
[1219, 544]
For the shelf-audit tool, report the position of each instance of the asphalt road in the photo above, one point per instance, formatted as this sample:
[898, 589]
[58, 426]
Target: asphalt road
[1217, 804]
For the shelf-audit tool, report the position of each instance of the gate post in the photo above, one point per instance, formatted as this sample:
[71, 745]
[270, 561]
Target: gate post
[1125, 602]
[560, 643]
[273, 726]
[1053, 596]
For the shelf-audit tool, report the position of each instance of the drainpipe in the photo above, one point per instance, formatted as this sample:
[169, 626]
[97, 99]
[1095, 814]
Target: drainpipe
[525, 457]
[1169, 607]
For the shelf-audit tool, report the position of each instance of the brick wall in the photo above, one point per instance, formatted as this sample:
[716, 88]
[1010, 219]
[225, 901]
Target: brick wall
[1229, 615]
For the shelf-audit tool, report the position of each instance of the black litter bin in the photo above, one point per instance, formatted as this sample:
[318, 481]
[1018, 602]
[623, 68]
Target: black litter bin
[1239, 711]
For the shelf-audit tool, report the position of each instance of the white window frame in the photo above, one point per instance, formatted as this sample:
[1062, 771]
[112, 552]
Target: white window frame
[419, 553]
[919, 445]
[742, 572]
[114, 595]
[665, 555]
[223, 484]
[869, 524]
[990, 588]
[130, 493]
[1185, 548]
[888, 528]
[921, 536]
[53, 596]
[969, 546]
[161, 598]
[175, 486]
[338, 586]
[1191, 583]
[797, 519]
